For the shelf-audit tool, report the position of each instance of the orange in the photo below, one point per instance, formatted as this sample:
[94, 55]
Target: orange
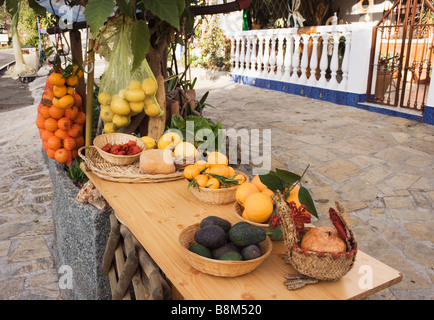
[50, 153]
[61, 155]
[77, 71]
[213, 183]
[72, 80]
[67, 101]
[268, 191]
[56, 113]
[191, 171]
[81, 118]
[231, 171]
[45, 112]
[259, 207]
[45, 135]
[220, 169]
[62, 134]
[77, 100]
[54, 143]
[241, 179]
[40, 122]
[56, 79]
[216, 157]
[76, 130]
[64, 123]
[201, 164]
[244, 191]
[79, 141]
[51, 124]
[47, 96]
[70, 90]
[293, 195]
[59, 91]
[74, 153]
[201, 180]
[44, 145]
[69, 143]
[71, 113]
[258, 183]
[55, 102]
[244, 215]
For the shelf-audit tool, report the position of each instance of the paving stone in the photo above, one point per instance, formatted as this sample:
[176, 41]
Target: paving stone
[339, 170]
[31, 249]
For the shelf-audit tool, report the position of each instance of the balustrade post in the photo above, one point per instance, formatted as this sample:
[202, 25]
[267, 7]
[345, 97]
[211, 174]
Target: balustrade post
[232, 52]
[242, 54]
[345, 62]
[260, 54]
[287, 61]
[266, 57]
[253, 58]
[312, 81]
[237, 54]
[272, 60]
[322, 82]
[248, 53]
[295, 59]
[304, 59]
[279, 60]
[334, 63]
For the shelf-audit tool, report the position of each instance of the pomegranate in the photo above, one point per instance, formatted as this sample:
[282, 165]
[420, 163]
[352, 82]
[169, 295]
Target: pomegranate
[323, 239]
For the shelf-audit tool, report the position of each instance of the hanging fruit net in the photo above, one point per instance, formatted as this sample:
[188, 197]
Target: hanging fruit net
[60, 117]
[123, 94]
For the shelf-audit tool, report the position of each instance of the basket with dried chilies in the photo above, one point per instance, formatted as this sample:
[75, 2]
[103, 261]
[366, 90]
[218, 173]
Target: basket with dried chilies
[315, 265]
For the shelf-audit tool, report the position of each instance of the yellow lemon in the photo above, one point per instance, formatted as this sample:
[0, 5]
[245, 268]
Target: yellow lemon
[169, 140]
[121, 94]
[149, 142]
[149, 85]
[120, 121]
[109, 127]
[120, 106]
[152, 110]
[185, 149]
[106, 114]
[104, 98]
[135, 95]
[137, 107]
[134, 84]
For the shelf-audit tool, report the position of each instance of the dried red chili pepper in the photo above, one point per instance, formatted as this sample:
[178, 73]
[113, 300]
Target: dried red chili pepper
[338, 224]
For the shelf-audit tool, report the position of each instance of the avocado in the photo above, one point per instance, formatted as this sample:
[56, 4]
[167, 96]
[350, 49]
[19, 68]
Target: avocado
[217, 253]
[200, 250]
[210, 220]
[243, 234]
[211, 236]
[251, 252]
[232, 255]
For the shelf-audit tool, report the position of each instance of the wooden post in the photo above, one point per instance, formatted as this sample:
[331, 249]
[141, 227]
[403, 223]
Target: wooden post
[89, 95]
[76, 53]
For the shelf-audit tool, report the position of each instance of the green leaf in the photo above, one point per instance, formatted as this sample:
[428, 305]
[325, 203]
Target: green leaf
[288, 177]
[306, 199]
[96, 13]
[176, 120]
[276, 234]
[125, 7]
[139, 43]
[166, 10]
[272, 182]
[37, 8]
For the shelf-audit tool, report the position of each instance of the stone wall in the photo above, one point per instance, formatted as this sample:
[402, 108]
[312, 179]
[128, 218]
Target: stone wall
[80, 235]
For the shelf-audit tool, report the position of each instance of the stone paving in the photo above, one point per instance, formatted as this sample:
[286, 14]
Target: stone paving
[380, 167]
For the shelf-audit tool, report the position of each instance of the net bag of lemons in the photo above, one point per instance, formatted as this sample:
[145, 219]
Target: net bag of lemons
[124, 93]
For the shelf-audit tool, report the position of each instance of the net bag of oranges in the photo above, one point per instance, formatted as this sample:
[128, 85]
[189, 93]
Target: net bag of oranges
[124, 93]
[60, 117]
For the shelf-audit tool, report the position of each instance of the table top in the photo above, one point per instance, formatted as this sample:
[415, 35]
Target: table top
[156, 213]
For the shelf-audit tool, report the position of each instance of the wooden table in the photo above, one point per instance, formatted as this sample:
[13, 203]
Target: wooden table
[157, 212]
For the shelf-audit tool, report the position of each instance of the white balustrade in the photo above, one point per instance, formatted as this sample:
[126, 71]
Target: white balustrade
[284, 55]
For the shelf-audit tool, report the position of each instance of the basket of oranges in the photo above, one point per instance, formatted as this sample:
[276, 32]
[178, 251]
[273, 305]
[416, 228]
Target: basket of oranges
[213, 181]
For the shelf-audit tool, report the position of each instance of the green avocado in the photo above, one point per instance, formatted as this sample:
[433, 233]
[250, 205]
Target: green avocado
[243, 234]
[211, 236]
[232, 255]
[251, 252]
[210, 220]
[200, 250]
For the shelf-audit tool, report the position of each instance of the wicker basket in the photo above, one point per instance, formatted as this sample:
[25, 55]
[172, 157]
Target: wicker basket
[324, 266]
[238, 210]
[217, 196]
[220, 268]
[117, 138]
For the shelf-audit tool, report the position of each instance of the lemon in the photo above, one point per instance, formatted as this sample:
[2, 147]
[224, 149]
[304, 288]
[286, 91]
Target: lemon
[137, 107]
[120, 121]
[185, 149]
[148, 100]
[109, 127]
[106, 113]
[104, 98]
[149, 142]
[152, 110]
[120, 106]
[149, 85]
[135, 95]
[134, 84]
[169, 140]
[121, 94]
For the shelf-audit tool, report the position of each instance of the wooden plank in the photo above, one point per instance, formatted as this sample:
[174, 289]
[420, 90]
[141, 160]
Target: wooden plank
[156, 213]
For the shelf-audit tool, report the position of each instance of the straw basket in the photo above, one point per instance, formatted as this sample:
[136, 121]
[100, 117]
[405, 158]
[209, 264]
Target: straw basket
[117, 138]
[238, 210]
[324, 266]
[217, 196]
[220, 268]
